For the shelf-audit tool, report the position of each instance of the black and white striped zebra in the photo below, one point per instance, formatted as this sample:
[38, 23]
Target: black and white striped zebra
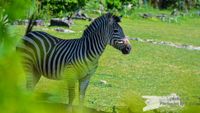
[73, 59]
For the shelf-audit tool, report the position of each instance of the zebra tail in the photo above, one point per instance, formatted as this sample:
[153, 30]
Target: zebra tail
[30, 24]
[20, 46]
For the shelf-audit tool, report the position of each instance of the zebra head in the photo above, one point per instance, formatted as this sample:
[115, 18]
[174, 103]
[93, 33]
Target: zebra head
[117, 38]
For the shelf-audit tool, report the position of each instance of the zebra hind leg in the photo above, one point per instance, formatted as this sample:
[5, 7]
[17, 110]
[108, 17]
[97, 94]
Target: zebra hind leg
[32, 79]
[83, 84]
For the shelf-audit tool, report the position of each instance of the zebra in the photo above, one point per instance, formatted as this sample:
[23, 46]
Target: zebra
[71, 60]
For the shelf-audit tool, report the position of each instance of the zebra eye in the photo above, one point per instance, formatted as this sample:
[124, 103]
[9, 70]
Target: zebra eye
[115, 30]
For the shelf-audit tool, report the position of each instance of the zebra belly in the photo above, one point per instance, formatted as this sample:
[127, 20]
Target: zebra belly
[78, 71]
[72, 71]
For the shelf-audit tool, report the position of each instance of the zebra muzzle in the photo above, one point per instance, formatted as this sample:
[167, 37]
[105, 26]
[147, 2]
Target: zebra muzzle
[126, 49]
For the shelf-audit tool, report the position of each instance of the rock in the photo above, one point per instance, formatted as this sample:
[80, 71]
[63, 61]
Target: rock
[175, 12]
[162, 43]
[61, 22]
[146, 15]
[190, 47]
[80, 15]
[173, 45]
[184, 46]
[162, 17]
[196, 48]
[38, 22]
[103, 82]
[182, 14]
[63, 30]
[155, 102]
[150, 40]
[90, 19]
[21, 22]
[139, 39]
[154, 42]
[173, 19]
[198, 13]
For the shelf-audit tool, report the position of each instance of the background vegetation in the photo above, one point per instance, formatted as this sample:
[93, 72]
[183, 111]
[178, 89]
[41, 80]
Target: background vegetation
[60, 7]
[148, 70]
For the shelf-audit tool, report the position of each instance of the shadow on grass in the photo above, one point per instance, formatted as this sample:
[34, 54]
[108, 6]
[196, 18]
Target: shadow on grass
[64, 108]
[51, 107]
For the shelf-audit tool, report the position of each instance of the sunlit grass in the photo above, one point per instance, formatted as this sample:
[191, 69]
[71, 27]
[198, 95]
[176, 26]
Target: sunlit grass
[148, 70]
[181, 33]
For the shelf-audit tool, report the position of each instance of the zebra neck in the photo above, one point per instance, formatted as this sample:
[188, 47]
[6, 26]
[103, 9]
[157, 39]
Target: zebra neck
[95, 45]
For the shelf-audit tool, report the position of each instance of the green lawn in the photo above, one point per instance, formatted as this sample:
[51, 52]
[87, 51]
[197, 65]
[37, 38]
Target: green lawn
[148, 70]
[183, 33]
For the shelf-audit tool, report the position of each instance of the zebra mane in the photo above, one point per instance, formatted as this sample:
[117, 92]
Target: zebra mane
[98, 22]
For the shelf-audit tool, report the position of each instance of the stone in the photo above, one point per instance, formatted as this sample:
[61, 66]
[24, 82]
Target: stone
[38, 22]
[63, 30]
[146, 15]
[61, 22]
[80, 15]
[103, 81]
[155, 102]
[184, 46]
[175, 12]
[198, 13]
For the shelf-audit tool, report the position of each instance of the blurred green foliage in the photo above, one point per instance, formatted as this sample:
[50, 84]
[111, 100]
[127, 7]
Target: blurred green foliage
[12, 98]
[62, 8]
[15, 9]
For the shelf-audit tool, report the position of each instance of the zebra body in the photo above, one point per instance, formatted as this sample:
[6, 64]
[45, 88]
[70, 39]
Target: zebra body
[72, 59]
[52, 55]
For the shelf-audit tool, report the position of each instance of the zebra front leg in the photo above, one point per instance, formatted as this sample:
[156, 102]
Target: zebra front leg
[83, 84]
[71, 94]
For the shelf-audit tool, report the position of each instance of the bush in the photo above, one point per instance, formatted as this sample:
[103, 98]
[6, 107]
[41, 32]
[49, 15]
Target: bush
[114, 4]
[57, 8]
[92, 6]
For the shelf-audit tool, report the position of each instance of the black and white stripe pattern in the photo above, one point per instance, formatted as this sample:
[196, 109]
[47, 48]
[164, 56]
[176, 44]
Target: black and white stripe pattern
[50, 56]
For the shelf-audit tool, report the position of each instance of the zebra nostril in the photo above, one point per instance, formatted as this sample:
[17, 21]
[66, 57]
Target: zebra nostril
[126, 50]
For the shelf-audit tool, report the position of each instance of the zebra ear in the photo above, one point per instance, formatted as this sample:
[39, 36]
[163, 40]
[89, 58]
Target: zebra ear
[109, 15]
[120, 17]
[111, 18]
[117, 18]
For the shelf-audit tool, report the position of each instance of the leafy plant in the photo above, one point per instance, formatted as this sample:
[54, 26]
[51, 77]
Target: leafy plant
[114, 4]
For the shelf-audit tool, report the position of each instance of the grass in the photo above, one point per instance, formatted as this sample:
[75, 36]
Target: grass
[183, 33]
[148, 70]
